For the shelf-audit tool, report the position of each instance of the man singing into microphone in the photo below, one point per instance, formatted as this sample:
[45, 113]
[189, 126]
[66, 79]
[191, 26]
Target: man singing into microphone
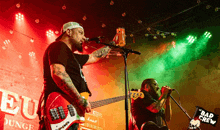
[62, 68]
[148, 112]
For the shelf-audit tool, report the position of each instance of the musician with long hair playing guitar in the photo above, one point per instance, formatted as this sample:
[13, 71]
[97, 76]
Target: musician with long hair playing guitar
[63, 74]
[148, 112]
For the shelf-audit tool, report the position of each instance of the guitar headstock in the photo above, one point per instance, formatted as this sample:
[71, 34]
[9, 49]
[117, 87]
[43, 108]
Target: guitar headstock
[135, 94]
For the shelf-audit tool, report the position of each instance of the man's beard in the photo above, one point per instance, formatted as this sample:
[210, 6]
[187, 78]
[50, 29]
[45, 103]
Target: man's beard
[76, 45]
[79, 47]
[154, 94]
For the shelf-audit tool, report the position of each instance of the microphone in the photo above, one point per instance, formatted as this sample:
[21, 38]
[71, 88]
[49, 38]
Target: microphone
[173, 89]
[94, 38]
[170, 90]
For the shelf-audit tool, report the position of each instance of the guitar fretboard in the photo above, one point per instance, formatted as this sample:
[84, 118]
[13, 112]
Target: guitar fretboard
[100, 103]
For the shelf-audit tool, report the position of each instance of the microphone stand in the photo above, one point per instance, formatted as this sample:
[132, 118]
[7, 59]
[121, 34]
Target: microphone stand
[125, 55]
[182, 109]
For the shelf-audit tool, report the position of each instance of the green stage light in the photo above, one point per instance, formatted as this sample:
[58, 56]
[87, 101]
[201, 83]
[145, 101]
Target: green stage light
[191, 39]
[208, 34]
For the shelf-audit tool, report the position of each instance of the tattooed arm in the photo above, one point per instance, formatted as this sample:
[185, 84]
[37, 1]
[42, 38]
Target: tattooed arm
[156, 106]
[64, 82]
[98, 54]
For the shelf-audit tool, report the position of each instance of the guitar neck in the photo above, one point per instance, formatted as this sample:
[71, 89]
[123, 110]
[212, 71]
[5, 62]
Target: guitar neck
[100, 103]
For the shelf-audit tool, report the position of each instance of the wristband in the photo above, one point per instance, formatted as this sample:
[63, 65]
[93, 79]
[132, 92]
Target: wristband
[85, 103]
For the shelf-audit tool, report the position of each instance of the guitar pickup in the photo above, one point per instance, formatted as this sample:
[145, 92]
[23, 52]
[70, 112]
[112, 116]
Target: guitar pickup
[71, 110]
[61, 111]
[54, 114]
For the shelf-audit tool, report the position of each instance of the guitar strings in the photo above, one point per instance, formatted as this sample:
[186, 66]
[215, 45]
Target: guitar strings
[100, 102]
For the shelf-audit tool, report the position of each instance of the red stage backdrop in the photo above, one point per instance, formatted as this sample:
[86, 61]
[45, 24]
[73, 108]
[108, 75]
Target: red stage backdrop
[21, 77]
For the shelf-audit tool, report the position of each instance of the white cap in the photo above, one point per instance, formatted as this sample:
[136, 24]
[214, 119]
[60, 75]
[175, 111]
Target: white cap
[70, 25]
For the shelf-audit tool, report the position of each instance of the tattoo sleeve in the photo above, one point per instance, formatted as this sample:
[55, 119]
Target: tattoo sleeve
[64, 82]
[159, 104]
[101, 52]
[156, 106]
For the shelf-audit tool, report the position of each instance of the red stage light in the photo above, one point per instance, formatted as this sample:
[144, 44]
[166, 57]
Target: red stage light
[32, 54]
[37, 20]
[103, 25]
[112, 2]
[11, 31]
[84, 17]
[19, 56]
[32, 40]
[19, 16]
[6, 42]
[50, 36]
[64, 7]
[18, 5]
[139, 21]
[49, 33]
[57, 32]
[3, 47]
[124, 14]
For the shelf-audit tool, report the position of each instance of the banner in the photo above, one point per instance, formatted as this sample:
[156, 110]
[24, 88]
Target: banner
[203, 116]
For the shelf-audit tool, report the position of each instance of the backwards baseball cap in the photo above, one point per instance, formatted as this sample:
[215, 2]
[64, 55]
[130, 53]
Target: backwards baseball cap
[69, 25]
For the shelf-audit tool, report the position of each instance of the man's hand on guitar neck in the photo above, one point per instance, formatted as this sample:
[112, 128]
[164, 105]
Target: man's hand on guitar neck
[85, 106]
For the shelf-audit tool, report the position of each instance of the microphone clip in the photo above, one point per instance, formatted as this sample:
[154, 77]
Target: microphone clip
[96, 39]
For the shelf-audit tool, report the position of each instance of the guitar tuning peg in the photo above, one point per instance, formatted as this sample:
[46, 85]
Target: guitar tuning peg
[134, 89]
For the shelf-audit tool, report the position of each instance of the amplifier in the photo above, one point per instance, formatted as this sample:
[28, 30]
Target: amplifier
[92, 122]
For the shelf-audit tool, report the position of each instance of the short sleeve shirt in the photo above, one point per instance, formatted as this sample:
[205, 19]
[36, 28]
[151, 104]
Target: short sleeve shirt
[59, 53]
